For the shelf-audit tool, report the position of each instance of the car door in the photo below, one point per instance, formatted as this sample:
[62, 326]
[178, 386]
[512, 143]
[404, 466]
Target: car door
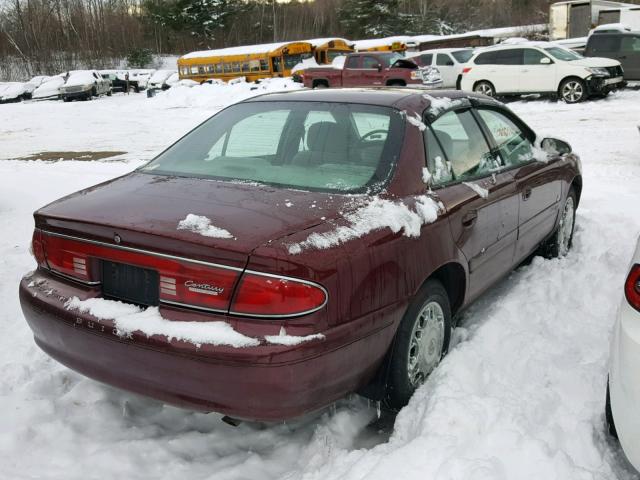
[630, 56]
[502, 69]
[479, 196]
[538, 72]
[448, 70]
[371, 71]
[537, 182]
[351, 72]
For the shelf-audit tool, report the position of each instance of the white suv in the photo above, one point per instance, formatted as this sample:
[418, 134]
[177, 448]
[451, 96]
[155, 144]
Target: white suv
[450, 62]
[540, 67]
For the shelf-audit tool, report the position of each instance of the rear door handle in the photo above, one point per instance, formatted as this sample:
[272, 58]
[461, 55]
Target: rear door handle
[470, 218]
[526, 194]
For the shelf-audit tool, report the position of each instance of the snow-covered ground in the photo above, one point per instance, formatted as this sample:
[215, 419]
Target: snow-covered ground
[520, 396]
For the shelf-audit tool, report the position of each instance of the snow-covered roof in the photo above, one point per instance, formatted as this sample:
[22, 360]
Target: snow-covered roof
[437, 50]
[242, 50]
[380, 42]
[503, 32]
[316, 42]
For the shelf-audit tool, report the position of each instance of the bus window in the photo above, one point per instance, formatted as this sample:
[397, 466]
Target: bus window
[227, 68]
[245, 67]
[194, 70]
[218, 68]
[277, 64]
[236, 66]
[209, 68]
[264, 65]
[291, 61]
[201, 69]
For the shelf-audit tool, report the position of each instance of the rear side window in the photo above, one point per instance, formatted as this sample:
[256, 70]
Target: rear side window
[604, 43]
[426, 59]
[488, 58]
[501, 57]
[444, 60]
[467, 154]
[512, 143]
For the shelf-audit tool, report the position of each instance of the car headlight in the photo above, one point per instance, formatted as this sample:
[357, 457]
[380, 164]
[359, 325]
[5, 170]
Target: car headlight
[597, 70]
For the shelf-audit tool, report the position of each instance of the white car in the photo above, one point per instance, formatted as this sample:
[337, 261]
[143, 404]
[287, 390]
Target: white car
[84, 85]
[542, 68]
[449, 61]
[13, 92]
[49, 89]
[623, 389]
[159, 79]
[141, 76]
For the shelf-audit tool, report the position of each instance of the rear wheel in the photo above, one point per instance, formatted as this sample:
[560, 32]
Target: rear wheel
[560, 242]
[573, 90]
[421, 342]
[485, 88]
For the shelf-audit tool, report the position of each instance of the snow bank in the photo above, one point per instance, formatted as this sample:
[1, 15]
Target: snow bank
[305, 64]
[375, 214]
[130, 318]
[202, 225]
[218, 96]
[283, 339]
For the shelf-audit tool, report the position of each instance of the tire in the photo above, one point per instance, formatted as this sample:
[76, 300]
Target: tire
[396, 83]
[109, 93]
[608, 415]
[560, 242]
[66, 99]
[430, 314]
[485, 88]
[572, 90]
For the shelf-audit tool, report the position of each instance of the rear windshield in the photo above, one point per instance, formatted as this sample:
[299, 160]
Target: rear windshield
[462, 56]
[325, 146]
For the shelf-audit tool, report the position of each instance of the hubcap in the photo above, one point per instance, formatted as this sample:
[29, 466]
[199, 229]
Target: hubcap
[572, 91]
[565, 228]
[485, 89]
[427, 342]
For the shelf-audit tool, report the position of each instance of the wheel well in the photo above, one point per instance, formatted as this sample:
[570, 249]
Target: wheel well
[486, 81]
[459, 82]
[401, 83]
[570, 77]
[452, 277]
[576, 184]
[319, 81]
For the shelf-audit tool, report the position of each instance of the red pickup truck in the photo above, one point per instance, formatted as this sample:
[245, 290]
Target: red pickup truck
[372, 69]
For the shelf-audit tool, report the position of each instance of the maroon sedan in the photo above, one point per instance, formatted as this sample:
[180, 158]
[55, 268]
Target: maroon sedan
[296, 247]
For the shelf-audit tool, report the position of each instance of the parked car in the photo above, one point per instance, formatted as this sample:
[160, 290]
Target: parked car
[172, 80]
[623, 389]
[11, 92]
[141, 76]
[84, 85]
[372, 69]
[296, 247]
[542, 68]
[158, 80]
[448, 61]
[623, 46]
[50, 88]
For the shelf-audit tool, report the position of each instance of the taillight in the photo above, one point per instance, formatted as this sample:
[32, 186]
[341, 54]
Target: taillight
[466, 70]
[37, 248]
[632, 287]
[274, 296]
[68, 258]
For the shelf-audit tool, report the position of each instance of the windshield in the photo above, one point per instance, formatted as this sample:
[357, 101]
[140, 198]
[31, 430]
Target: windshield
[563, 54]
[333, 147]
[462, 56]
[390, 58]
[291, 61]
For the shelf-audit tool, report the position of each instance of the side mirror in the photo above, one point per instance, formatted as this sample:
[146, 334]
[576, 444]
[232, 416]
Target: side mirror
[545, 60]
[554, 146]
[450, 63]
[379, 67]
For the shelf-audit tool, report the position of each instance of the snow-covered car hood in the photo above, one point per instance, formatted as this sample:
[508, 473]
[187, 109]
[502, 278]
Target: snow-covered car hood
[49, 88]
[595, 62]
[79, 79]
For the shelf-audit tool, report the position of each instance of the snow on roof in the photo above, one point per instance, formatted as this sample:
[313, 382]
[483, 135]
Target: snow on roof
[242, 50]
[380, 42]
[503, 32]
[316, 42]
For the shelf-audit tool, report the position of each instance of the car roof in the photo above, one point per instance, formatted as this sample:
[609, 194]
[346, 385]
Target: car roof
[381, 96]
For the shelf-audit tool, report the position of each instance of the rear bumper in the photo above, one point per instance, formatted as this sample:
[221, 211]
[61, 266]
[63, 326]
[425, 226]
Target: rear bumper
[624, 381]
[265, 382]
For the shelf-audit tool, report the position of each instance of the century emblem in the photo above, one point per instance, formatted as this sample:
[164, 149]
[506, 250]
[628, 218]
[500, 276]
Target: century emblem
[203, 288]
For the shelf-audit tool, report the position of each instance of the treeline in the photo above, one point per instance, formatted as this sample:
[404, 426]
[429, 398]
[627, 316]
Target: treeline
[50, 36]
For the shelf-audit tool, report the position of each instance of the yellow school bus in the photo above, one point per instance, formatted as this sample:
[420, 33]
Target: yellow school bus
[252, 61]
[389, 44]
[326, 49]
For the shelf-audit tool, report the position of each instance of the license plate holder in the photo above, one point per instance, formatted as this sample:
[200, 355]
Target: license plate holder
[130, 284]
